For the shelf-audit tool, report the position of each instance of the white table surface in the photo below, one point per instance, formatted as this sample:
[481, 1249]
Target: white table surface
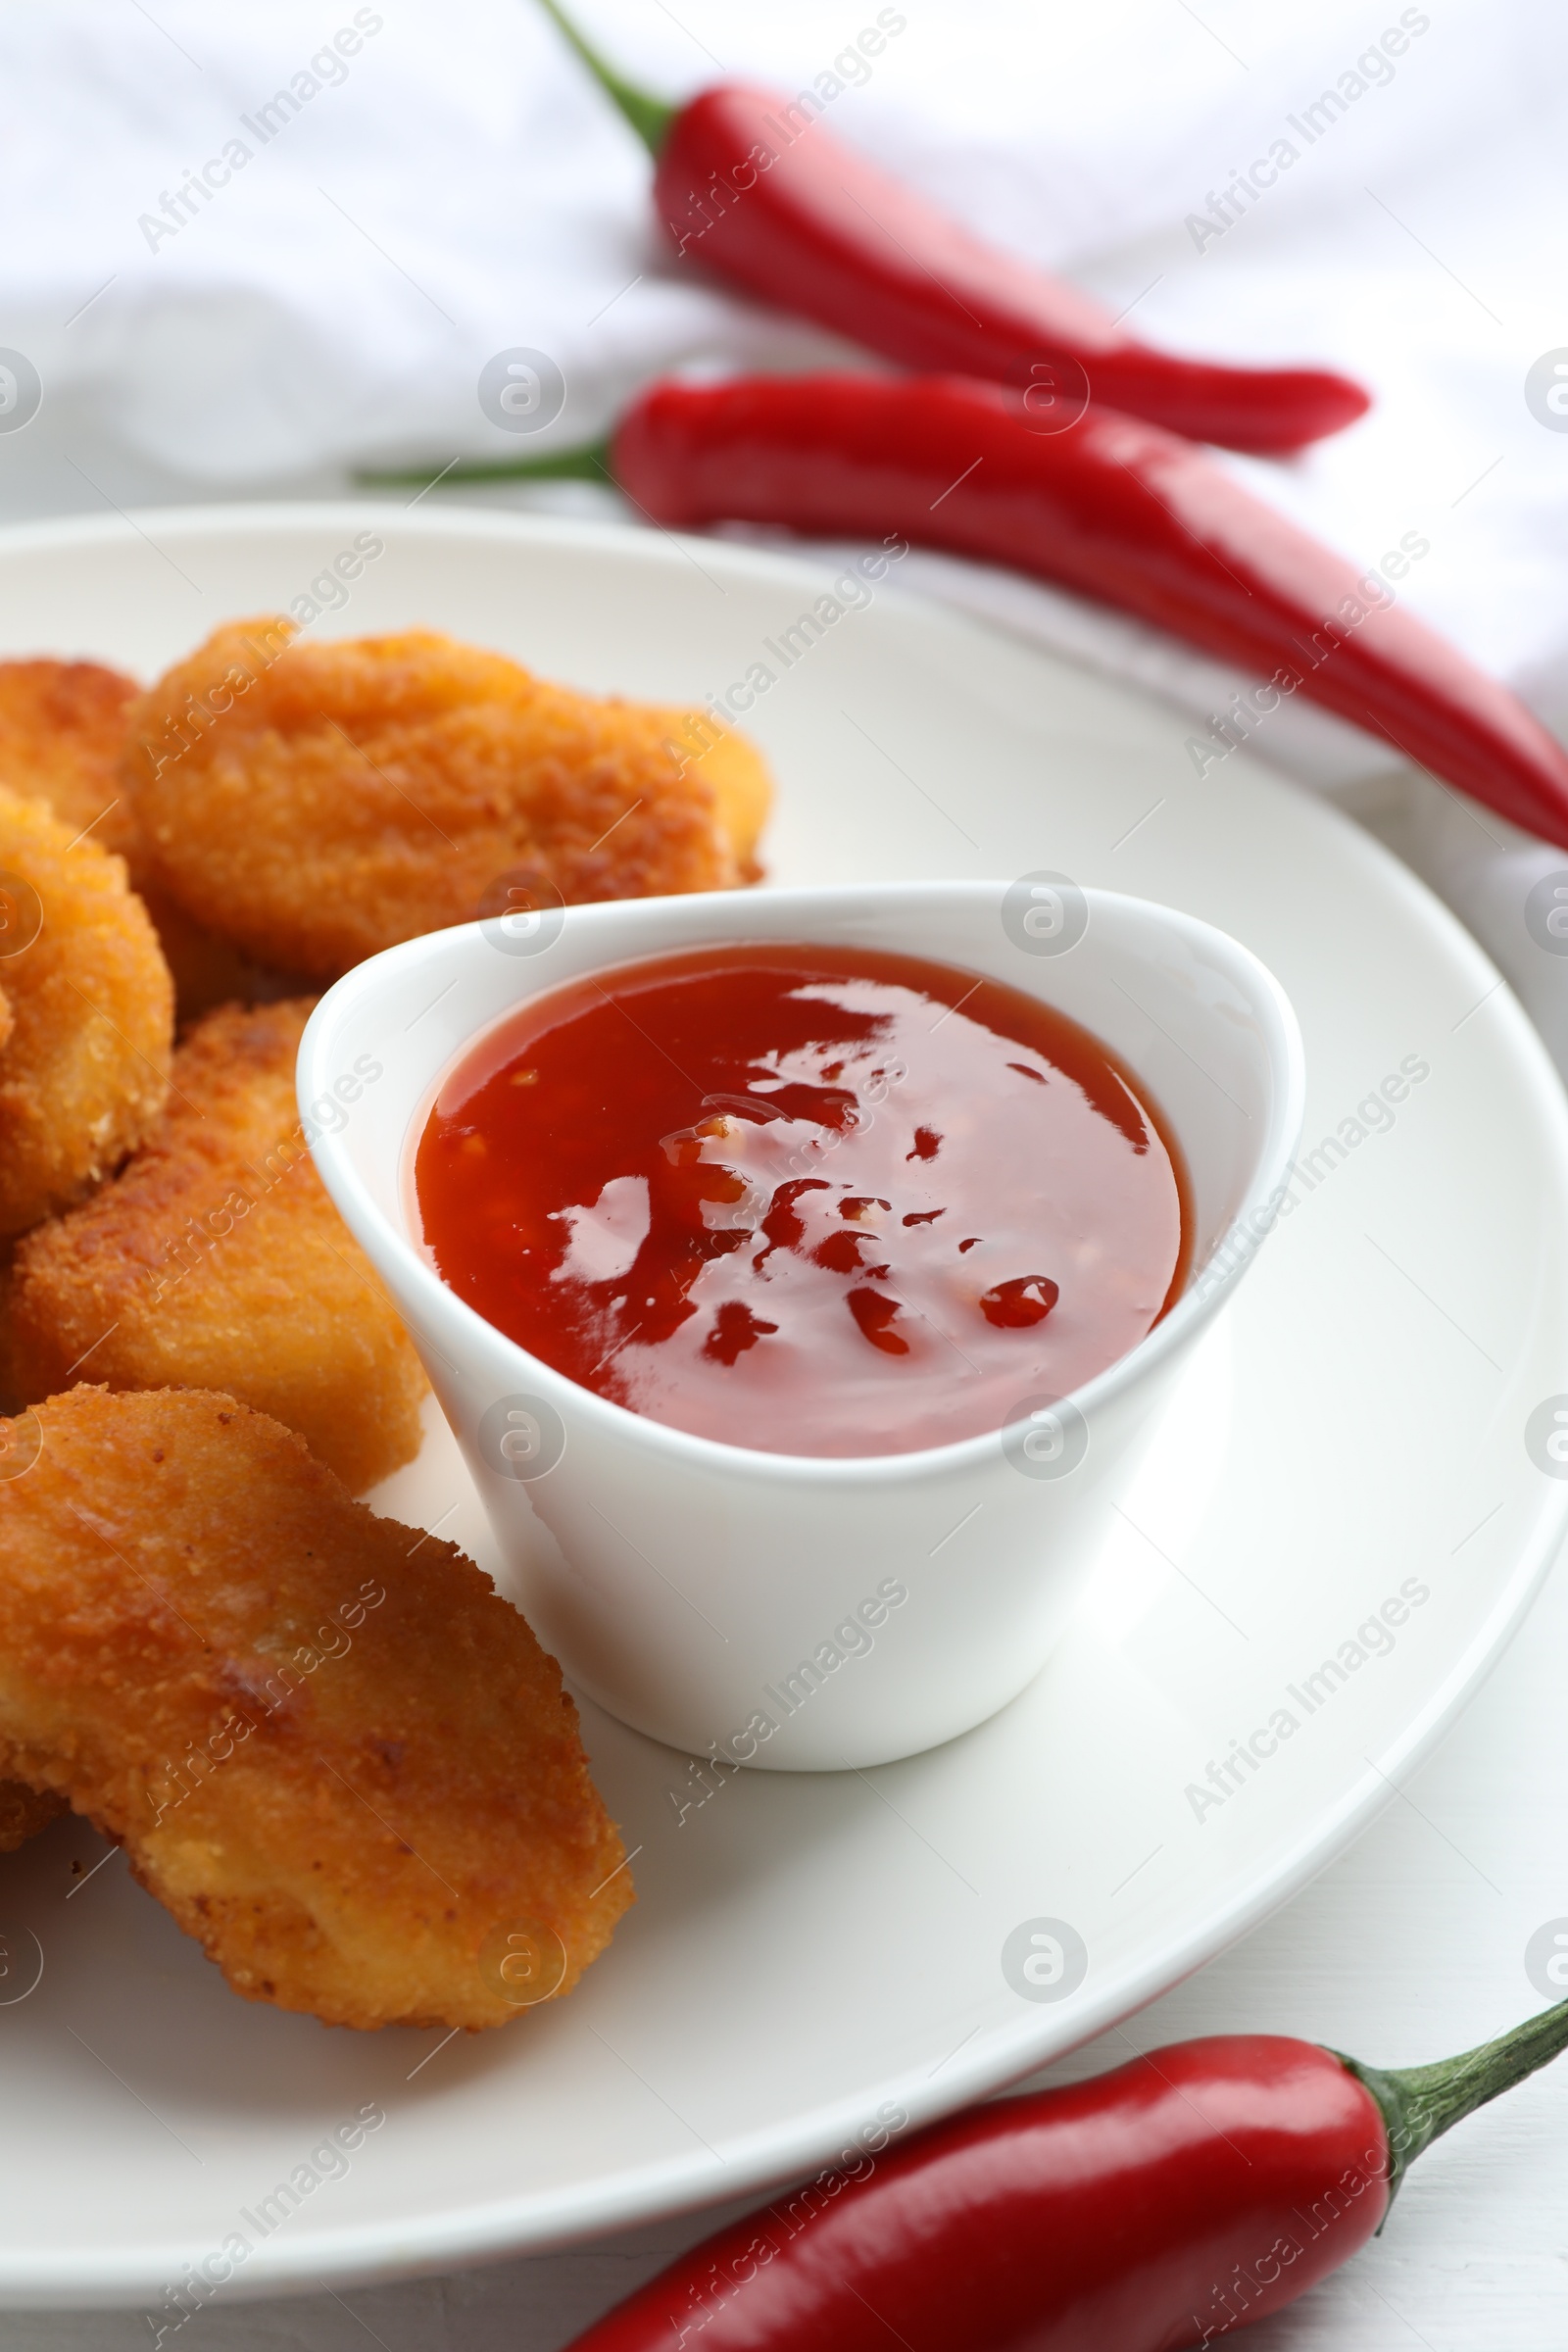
[1409, 1948]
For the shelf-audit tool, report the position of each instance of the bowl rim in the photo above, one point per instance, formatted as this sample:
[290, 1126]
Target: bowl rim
[415, 1282]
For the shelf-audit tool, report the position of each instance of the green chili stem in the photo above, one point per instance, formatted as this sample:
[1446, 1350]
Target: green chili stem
[650, 117]
[1420, 2103]
[587, 464]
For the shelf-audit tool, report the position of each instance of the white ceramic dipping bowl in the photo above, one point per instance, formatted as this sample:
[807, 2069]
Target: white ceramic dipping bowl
[792, 1611]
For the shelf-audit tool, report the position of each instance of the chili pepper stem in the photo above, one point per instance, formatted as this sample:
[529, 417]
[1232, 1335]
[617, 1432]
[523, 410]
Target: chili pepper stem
[650, 117]
[590, 464]
[1420, 2103]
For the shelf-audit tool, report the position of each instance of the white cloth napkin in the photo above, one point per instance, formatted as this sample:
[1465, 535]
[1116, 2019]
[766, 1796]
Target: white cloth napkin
[247, 251]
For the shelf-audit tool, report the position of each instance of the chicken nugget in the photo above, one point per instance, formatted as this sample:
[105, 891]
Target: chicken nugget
[61, 741]
[62, 734]
[333, 1752]
[25, 1811]
[208, 969]
[729, 764]
[217, 1260]
[11, 1384]
[86, 1067]
[325, 801]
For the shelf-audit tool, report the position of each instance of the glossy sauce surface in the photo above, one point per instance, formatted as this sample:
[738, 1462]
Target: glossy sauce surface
[810, 1199]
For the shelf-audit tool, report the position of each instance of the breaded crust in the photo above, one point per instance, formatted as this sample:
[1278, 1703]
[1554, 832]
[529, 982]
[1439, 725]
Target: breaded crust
[733, 769]
[325, 801]
[62, 736]
[328, 1747]
[86, 1067]
[25, 1811]
[61, 741]
[208, 969]
[217, 1260]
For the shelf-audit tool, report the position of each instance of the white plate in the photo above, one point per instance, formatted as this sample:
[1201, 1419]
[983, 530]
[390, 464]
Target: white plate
[807, 1952]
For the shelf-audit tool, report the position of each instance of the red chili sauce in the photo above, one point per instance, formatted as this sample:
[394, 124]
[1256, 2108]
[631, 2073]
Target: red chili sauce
[812, 1199]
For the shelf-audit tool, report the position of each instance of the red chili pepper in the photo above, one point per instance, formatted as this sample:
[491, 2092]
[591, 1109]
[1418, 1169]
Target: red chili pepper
[1147, 2210]
[751, 185]
[1111, 507]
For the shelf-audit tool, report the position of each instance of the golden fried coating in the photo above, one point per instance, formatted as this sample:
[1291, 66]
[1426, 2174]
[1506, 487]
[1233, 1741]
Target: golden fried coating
[729, 765]
[61, 741]
[62, 734]
[217, 1261]
[208, 970]
[324, 800]
[86, 1068]
[11, 1384]
[25, 1811]
[328, 1747]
